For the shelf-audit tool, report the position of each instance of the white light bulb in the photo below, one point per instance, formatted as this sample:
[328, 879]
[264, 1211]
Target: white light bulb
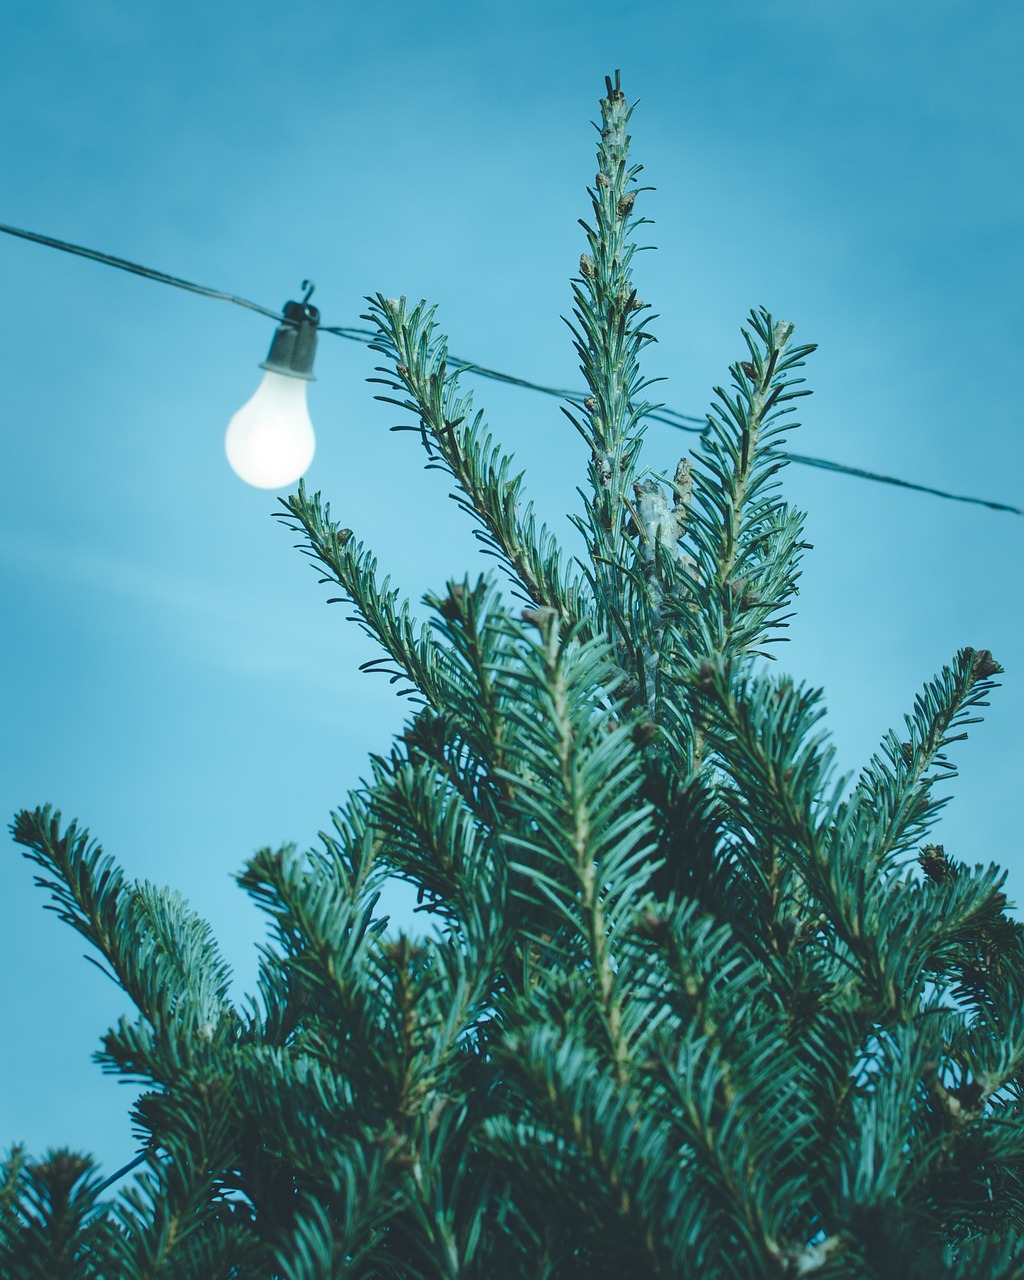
[270, 440]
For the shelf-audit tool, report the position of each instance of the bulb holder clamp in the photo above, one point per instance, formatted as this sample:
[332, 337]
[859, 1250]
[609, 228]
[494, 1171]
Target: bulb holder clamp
[294, 346]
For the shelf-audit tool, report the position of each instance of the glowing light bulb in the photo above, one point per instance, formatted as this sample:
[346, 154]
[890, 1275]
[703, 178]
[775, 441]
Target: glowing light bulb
[270, 440]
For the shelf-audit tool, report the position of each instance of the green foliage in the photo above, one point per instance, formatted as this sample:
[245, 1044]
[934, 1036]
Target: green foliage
[50, 1224]
[691, 1005]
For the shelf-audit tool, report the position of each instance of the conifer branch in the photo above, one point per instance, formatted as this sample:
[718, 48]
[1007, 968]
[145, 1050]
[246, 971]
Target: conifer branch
[458, 441]
[51, 1220]
[411, 656]
[705, 1068]
[583, 1132]
[746, 540]
[171, 1221]
[325, 940]
[574, 779]
[159, 952]
[771, 741]
[608, 334]
[893, 798]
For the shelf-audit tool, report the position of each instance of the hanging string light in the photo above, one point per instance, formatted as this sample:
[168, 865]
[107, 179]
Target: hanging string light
[270, 440]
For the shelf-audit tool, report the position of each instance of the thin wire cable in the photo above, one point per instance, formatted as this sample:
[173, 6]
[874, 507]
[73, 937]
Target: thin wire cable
[137, 269]
[671, 417]
[132, 1164]
[903, 484]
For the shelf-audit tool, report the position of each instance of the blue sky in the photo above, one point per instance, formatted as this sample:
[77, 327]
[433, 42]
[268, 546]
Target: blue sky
[171, 675]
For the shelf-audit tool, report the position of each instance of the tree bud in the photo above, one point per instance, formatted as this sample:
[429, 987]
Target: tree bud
[984, 664]
[934, 863]
[539, 618]
[450, 605]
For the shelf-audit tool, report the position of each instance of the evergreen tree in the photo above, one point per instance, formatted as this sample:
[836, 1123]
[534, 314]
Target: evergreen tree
[693, 1006]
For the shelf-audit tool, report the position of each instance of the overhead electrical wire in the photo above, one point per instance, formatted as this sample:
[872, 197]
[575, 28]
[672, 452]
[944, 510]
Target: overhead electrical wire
[127, 1168]
[122, 264]
[671, 417]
